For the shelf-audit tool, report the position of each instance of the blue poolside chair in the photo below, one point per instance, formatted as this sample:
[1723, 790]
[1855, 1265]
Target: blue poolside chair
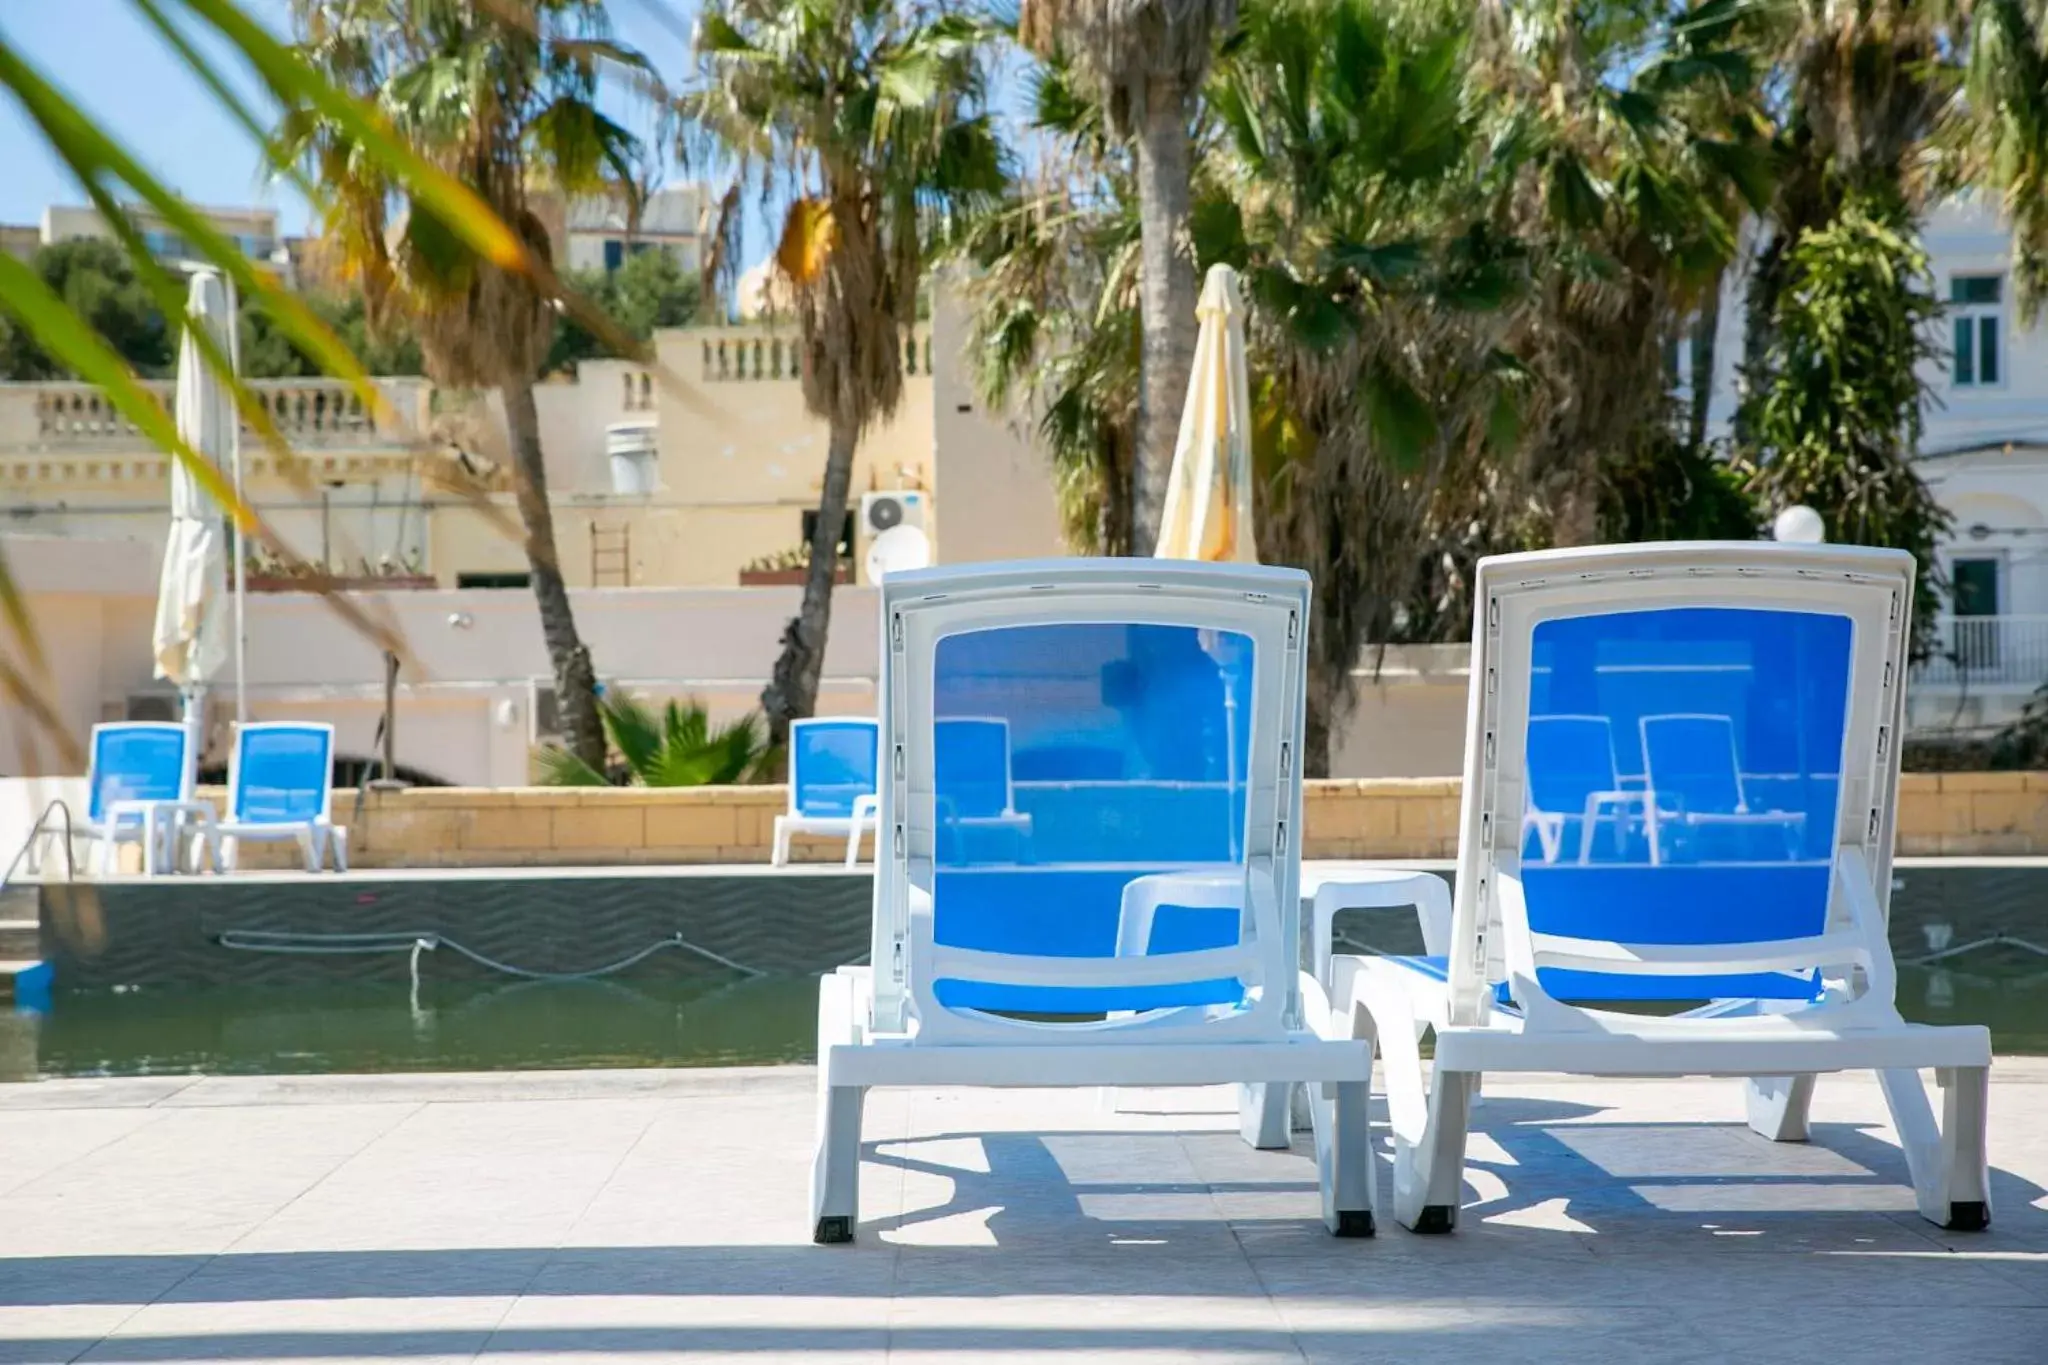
[1575, 779]
[1695, 768]
[281, 786]
[138, 768]
[989, 971]
[831, 783]
[1798, 653]
[975, 790]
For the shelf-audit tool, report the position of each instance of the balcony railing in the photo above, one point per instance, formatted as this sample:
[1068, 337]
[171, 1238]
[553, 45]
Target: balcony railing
[745, 354]
[313, 414]
[1987, 651]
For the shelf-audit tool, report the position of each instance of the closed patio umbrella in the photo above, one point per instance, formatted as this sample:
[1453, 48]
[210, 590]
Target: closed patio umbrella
[1208, 513]
[191, 637]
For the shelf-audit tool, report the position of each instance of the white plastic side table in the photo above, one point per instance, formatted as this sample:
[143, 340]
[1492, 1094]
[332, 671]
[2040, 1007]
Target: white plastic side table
[1336, 887]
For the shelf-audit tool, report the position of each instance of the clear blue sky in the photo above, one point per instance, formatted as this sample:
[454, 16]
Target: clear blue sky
[106, 56]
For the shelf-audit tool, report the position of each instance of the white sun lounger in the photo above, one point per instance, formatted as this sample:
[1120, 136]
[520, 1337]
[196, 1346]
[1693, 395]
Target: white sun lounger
[988, 971]
[1789, 953]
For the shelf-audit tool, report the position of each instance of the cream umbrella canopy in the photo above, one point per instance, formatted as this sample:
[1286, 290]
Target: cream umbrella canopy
[191, 638]
[1208, 512]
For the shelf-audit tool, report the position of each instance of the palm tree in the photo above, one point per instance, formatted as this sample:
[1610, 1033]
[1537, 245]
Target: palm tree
[113, 178]
[501, 93]
[1148, 59]
[1630, 146]
[675, 747]
[871, 113]
[1349, 182]
[1054, 332]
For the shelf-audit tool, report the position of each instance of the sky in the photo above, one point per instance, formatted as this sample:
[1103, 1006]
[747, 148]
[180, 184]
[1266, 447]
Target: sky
[106, 56]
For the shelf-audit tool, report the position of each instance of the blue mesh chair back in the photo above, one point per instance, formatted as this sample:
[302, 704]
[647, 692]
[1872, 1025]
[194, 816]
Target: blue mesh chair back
[136, 761]
[972, 754]
[1693, 764]
[1164, 708]
[283, 774]
[1571, 758]
[1684, 692]
[831, 763]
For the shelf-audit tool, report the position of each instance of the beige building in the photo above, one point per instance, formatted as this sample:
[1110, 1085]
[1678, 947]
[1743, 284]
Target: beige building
[254, 230]
[600, 233]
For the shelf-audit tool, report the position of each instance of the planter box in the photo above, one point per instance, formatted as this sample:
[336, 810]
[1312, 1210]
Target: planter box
[263, 582]
[788, 578]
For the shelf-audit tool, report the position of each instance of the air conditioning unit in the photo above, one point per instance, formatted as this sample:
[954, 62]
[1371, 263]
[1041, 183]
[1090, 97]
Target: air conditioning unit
[154, 706]
[881, 512]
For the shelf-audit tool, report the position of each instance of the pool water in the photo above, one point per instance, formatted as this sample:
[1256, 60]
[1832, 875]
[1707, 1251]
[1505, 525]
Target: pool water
[460, 1027]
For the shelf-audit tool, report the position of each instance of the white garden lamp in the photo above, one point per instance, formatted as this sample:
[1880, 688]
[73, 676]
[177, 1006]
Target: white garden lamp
[1799, 525]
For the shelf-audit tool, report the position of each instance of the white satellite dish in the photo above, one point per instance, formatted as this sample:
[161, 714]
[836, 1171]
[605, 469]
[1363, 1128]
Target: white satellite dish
[898, 548]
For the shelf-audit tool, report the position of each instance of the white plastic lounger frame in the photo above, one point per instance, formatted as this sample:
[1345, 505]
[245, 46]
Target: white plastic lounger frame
[885, 1025]
[1778, 1045]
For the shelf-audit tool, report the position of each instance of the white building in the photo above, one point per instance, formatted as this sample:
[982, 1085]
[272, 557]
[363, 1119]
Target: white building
[601, 233]
[1984, 449]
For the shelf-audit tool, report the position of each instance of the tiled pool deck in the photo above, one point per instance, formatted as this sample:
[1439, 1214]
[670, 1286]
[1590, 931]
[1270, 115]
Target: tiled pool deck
[640, 1216]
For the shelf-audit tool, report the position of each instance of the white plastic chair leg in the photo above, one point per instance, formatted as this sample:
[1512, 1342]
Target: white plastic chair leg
[228, 854]
[1951, 1177]
[1778, 1106]
[1341, 1115]
[1430, 1118]
[778, 855]
[1265, 1115]
[337, 845]
[835, 1170]
[309, 850]
[835, 1166]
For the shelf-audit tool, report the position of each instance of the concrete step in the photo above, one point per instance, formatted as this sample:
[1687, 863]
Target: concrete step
[23, 978]
[19, 938]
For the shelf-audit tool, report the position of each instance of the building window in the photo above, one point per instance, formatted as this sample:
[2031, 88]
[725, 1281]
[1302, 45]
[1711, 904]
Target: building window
[845, 533]
[493, 580]
[1973, 596]
[1979, 322]
[614, 253]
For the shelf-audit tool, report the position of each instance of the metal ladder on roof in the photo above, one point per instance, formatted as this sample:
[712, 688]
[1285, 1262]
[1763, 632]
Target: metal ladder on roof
[611, 555]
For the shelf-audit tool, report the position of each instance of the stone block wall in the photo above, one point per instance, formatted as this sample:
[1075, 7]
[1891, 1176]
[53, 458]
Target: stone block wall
[1940, 814]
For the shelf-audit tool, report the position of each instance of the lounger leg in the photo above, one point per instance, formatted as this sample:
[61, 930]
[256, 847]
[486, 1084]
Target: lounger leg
[337, 845]
[835, 1167]
[1430, 1120]
[309, 850]
[1264, 1118]
[779, 855]
[1951, 1178]
[227, 854]
[1778, 1106]
[835, 1172]
[1342, 1115]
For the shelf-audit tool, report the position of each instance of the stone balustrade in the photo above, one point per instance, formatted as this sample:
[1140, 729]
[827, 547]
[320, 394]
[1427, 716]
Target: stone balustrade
[748, 354]
[69, 418]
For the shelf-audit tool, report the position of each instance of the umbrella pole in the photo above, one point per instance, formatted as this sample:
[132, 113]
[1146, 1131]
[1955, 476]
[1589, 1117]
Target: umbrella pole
[241, 565]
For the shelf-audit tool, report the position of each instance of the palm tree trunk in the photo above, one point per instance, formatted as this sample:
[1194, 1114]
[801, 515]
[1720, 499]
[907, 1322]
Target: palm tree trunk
[1325, 700]
[792, 693]
[575, 678]
[1705, 330]
[1167, 295]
